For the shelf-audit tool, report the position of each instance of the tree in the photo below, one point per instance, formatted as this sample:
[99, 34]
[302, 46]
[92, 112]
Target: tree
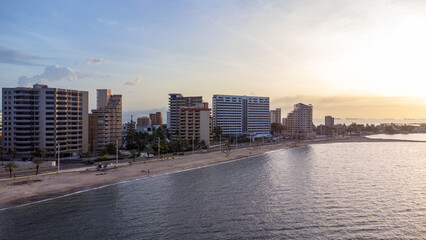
[37, 161]
[133, 152]
[9, 167]
[111, 148]
[217, 133]
[227, 149]
[203, 144]
[276, 127]
[13, 153]
[46, 153]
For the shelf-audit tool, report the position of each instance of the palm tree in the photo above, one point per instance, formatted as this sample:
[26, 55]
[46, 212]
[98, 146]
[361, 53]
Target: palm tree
[13, 153]
[9, 167]
[37, 161]
[46, 153]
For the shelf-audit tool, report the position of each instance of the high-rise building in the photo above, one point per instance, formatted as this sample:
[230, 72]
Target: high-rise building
[275, 116]
[284, 122]
[299, 121]
[195, 123]
[143, 124]
[329, 121]
[177, 101]
[156, 118]
[105, 120]
[1, 123]
[240, 114]
[45, 118]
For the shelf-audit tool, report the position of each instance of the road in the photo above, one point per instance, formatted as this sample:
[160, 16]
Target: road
[65, 166]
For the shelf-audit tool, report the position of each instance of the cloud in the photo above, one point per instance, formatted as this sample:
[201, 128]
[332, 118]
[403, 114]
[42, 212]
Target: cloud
[52, 73]
[107, 22]
[137, 81]
[95, 61]
[18, 57]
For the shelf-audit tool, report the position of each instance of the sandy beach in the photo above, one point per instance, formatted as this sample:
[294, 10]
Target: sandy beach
[45, 186]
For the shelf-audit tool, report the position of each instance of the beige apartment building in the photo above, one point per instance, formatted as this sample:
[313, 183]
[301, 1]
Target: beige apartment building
[176, 102]
[105, 120]
[275, 115]
[45, 118]
[195, 123]
[299, 121]
[156, 118]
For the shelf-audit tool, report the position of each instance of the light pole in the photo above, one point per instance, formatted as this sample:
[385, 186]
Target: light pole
[158, 148]
[116, 153]
[220, 142]
[250, 139]
[193, 144]
[236, 141]
[59, 154]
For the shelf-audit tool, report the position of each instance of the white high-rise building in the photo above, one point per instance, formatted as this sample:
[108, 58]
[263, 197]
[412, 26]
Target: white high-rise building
[45, 118]
[241, 114]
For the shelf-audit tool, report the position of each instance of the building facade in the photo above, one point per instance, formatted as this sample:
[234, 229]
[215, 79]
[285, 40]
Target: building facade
[105, 120]
[299, 121]
[241, 114]
[195, 123]
[45, 118]
[1, 124]
[156, 118]
[143, 124]
[284, 122]
[329, 121]
[176, 102]
[275, 116]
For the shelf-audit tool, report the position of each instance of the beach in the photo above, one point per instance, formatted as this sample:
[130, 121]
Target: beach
[22, 191]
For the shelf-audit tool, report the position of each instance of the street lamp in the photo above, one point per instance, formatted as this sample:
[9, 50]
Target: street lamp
[59, 154]
[116, 153]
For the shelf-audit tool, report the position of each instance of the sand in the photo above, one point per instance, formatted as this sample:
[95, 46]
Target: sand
[47, 186]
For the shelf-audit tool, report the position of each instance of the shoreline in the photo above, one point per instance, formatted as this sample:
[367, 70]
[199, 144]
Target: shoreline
[52, 186]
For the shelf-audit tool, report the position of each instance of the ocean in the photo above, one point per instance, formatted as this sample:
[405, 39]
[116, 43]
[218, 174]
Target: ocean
[367, 190]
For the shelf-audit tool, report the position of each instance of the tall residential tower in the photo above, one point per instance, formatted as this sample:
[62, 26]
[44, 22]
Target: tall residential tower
[45, 118]
[299, 121]
[105, 120]
[176, 102]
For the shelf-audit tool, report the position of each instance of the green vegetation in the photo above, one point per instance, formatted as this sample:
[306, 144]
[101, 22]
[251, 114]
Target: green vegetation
[9, 167]
[276, 128]
[158, 142]
[12, 153]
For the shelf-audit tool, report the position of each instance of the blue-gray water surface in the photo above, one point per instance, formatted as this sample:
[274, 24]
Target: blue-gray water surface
[325, 191]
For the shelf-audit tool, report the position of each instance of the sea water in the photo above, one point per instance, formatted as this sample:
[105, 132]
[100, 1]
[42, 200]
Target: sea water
[325, 191]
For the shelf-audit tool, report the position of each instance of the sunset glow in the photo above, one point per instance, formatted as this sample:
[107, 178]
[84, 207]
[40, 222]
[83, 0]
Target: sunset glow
[290, 51]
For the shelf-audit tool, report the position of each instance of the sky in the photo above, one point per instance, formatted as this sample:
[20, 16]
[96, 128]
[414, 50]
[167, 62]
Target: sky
[355, 59]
